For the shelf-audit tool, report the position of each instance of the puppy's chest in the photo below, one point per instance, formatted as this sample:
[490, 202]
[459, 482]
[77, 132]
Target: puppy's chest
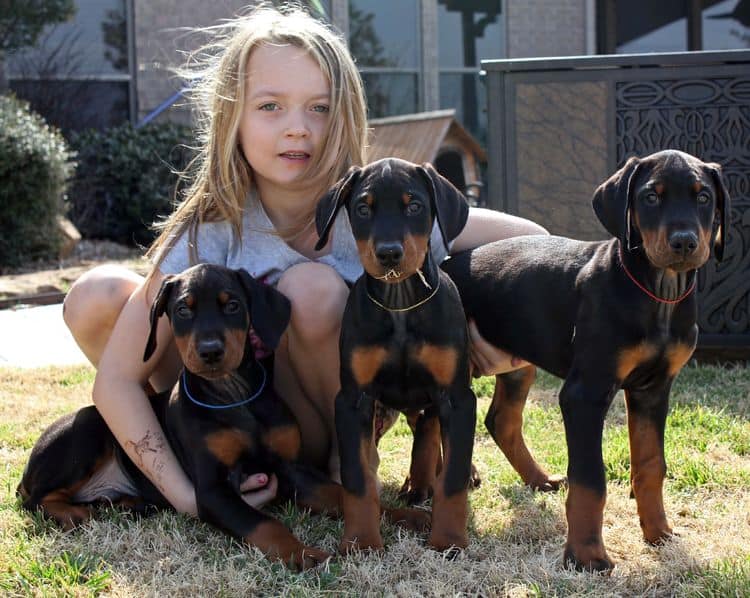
[399, 359]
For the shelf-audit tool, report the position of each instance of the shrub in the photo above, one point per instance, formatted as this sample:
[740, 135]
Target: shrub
[126, 180]
[35, 163]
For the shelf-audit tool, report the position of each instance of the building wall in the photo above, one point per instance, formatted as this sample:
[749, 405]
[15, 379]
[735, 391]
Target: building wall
[545, 28]
[534, 28]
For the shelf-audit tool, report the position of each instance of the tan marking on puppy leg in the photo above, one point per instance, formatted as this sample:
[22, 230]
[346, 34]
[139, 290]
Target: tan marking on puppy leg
[647, 471]
[362, 513]
[278, 543]
[584, 547]
[450, 514]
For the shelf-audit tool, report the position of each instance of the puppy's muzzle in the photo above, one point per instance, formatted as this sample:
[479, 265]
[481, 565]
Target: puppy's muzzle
[389, 255]
[211, 351]
[683, 243]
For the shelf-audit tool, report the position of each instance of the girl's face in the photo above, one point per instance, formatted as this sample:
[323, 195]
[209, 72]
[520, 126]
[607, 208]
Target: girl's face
[284, 117]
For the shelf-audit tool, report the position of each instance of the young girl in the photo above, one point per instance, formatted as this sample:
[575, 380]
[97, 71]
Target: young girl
[282, 117]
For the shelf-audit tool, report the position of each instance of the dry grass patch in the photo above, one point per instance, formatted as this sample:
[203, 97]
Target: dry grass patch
[516, 535]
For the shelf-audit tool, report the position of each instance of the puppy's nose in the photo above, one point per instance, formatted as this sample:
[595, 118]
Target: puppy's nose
[389, 254]
[211, 351]
[683, 243]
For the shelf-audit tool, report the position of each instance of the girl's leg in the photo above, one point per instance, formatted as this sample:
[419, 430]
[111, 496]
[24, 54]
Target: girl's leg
[92, 307]
[307, 362]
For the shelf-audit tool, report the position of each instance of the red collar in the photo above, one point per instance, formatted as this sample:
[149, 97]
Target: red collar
[649, 293]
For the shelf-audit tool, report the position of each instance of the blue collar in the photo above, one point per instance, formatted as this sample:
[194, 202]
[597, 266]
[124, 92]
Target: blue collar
[231, 405]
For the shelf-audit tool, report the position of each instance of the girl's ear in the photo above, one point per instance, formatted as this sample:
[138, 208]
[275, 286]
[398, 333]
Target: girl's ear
[331, 203]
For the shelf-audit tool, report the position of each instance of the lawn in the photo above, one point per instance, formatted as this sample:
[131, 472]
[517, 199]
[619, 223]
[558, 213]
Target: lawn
[516, 535]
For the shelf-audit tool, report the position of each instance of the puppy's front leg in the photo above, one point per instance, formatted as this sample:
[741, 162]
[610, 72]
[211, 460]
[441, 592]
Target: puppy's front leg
[647, 414]
[584, 400]
[450, 512]
[354, 428]
[222, 506]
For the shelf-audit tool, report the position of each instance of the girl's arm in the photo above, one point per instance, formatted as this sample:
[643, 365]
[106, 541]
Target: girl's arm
[122, 402]
[485, 226]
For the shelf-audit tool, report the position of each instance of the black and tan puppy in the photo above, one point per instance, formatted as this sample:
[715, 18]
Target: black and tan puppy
[604, 316]
[223, 420]
[403, 342]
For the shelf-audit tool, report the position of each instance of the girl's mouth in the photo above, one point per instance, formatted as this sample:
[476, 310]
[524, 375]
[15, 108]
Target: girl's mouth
[295, 155]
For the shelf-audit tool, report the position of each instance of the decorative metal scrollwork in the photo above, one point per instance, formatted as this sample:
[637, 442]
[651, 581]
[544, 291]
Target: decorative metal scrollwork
[709, 118]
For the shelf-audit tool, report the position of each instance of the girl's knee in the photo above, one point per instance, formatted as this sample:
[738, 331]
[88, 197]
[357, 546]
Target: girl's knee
[318, 296]
[98, 296]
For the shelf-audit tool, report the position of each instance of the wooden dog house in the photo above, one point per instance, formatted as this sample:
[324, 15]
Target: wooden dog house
[435, 137]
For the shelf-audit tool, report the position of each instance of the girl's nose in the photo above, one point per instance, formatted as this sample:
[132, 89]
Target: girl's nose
[297, 126]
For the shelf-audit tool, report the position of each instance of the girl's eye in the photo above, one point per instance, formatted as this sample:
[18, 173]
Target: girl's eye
[269, 107]
[363, 210]
[652, 199]
[413, 208]
[184, 312]
[704, 197]
[322, 108]
[232, 307]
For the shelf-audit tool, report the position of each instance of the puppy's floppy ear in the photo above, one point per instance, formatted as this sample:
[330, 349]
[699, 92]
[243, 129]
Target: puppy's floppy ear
[330, 204]
[158, 308]
[612, 201]
[269, 309]
[448, 204]
[722, 207]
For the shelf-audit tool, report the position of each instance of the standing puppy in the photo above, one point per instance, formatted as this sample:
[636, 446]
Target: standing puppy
[604, 316]
[403, 342]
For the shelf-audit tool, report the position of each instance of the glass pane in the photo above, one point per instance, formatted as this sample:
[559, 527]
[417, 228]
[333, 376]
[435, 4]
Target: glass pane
[467, 95]
[647, 26]
[470, 32]
[76, 105]
[726, 25]
[390, 94]
[94, 42]
[385, 33]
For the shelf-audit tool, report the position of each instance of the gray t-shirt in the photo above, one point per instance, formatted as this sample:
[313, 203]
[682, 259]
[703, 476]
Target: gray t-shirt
[264, 254]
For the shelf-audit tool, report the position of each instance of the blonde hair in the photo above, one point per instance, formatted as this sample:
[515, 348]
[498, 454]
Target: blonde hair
[221, 177]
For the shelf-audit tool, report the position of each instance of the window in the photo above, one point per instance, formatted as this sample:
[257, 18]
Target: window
[78, 74]
[640, 26]
[384, 37]
[468, 32]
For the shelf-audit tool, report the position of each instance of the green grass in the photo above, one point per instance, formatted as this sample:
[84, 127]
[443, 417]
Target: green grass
[516, 534]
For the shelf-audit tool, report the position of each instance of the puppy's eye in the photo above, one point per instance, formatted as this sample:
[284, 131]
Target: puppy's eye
[232, 307]
[363, 210]
[414, 208]
[184, 312]
[651, 199]
[703, 197]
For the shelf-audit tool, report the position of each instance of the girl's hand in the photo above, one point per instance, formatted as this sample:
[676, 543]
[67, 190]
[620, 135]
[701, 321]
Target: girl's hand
[258, 489]
[488, 360]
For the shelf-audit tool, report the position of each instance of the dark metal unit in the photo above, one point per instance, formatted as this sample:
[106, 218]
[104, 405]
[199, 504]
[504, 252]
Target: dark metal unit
[560, 126]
